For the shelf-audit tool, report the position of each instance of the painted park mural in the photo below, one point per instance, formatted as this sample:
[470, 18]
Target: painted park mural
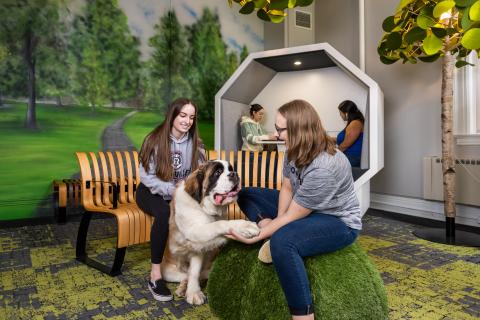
[86, 75]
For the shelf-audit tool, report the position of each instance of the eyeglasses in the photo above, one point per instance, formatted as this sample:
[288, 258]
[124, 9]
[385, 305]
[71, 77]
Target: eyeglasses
[279, 130]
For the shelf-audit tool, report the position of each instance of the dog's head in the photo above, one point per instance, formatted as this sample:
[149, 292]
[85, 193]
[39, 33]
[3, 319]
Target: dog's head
[214, 181]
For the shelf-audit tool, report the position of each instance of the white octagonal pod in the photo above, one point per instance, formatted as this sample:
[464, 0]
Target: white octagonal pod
[316, 73]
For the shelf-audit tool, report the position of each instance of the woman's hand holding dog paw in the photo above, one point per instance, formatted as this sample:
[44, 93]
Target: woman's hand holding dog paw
[244, 231]
[249, 229]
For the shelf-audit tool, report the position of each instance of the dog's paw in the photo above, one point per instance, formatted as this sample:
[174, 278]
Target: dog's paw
[248, 229]
[196, 298]
[181, 289]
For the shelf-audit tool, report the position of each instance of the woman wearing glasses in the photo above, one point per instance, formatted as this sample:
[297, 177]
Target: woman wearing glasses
[315, 212]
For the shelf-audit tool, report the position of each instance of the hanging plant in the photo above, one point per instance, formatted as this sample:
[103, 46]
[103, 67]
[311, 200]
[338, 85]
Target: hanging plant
[427, 29]
[269, 10]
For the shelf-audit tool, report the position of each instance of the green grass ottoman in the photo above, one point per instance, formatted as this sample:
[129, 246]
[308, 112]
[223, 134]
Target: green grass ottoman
[344, 284]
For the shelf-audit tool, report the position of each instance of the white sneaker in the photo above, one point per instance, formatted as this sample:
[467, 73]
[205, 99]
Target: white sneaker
[264, 254]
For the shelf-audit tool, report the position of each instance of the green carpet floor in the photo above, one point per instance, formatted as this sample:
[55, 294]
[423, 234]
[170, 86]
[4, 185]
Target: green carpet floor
[40, 279]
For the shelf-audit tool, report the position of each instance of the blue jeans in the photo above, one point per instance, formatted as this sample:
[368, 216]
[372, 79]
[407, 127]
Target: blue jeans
[315, 234]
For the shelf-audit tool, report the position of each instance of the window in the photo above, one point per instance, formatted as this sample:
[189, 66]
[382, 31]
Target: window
[466, 105]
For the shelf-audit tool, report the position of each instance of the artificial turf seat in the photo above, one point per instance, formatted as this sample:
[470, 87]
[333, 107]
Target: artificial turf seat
[345, 285]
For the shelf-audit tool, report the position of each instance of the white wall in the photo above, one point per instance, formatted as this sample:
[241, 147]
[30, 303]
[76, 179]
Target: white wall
[320, 87]
[295, 35]
[338, 25]
[412, 110]
[232, 111]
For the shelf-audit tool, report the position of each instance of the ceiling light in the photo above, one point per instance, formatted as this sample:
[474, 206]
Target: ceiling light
[297, 63]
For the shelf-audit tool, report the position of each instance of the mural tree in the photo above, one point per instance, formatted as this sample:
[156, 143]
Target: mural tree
[168, 63]
[25, 28]
[208, 62]
[104, 54]
[427, 30]
[13, 75]
[54, 71]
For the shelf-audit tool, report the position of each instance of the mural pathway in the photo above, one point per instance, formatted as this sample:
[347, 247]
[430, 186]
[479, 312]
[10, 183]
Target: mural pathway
[114, 138]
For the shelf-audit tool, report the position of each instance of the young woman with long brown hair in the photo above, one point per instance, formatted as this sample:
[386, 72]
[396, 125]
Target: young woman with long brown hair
[315, 212]
[168, 154]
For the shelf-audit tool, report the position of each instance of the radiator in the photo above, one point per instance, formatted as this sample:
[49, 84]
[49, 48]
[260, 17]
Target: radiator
[467, 180]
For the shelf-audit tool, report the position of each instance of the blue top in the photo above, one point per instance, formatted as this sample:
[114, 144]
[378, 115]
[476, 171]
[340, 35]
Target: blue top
[355, 149]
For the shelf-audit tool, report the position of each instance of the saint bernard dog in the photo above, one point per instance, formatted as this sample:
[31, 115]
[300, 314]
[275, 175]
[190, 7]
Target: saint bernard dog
[198, 224]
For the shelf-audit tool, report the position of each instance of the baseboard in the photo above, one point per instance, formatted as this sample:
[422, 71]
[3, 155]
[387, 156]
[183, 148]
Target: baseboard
[466, 215]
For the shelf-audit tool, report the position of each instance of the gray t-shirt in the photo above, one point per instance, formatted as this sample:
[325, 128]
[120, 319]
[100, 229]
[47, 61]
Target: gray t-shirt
[326, 186]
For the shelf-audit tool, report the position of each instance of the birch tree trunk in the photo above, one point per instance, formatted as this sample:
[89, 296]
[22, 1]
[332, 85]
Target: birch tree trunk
[448, 156]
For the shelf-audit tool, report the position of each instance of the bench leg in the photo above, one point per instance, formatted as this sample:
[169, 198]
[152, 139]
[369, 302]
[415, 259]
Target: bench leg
[59, 212]
[81, 250]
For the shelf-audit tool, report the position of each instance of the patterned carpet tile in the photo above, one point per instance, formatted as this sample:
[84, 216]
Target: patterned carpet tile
[40, 279]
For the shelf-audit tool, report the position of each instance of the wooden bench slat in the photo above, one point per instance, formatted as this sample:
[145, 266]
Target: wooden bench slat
[121, 178]
[263, 171]
[247, 169]
[255, 169]
[105, 177]
[97, 180]
[130, 195]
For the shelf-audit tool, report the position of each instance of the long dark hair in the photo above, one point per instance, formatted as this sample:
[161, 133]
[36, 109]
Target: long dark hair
[350, 108]
[157, 143]
[306, 136]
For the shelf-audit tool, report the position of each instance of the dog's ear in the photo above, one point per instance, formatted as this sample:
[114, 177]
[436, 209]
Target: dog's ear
[194, 184]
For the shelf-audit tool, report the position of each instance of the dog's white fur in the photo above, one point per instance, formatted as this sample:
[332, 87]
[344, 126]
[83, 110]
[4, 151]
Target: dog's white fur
[197, 228]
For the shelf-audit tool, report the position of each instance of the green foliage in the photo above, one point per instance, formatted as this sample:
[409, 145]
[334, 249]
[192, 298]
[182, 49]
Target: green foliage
[30, 30]
[53, 71]
[427, 29]
[168, 64]
[344, 285]
[208, 64]
[13, 78]
[105, 57]
[271, 11]
[191, 62]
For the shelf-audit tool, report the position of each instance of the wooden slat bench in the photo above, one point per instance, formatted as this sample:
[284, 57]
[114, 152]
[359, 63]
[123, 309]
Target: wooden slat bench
[109, 181]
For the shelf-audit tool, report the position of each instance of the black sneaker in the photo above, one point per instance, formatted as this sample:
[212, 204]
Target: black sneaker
[159, 290]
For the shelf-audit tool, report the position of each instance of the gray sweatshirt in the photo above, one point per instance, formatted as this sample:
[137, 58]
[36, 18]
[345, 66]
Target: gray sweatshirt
[181, 150]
